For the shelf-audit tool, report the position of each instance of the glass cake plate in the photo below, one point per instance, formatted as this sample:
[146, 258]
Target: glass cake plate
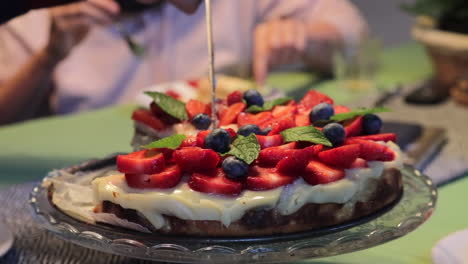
[414, 207]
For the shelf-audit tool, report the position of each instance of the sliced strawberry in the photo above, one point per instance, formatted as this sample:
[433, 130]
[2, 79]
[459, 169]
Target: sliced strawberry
[282, 123]
[271, 156]
[319, 173]
[261, 179]
[340, 109]
[269, 141]
[234, 97]
[214, 182]
[194, 83]
[311, 99]
[282, 110]
[168, 178]
[341, 157]
[189, 141]
[221, 109]
[201, 138]
[231, 132]
[230, 115]
[353, 127]
[359, 163]
[378, 137]
[173, 94]
[141, 162]
[370, 150]
[261, 119]
[295, 162]
[194, 159]
[195, 107]
[302, 120]
[147, 118]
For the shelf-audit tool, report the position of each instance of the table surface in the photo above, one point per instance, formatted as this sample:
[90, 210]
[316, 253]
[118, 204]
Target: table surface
[31, 149]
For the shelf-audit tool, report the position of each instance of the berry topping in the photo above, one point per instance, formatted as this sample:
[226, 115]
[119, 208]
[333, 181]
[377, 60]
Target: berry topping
[195, 107]
[253, 97]
[370, 150]
[302, 120]
[335, 133]
[319, 173]
[311, 99]
[371, 124]
[168, 178]
[235, 169]
[378, 137]
[141, 162]
[282, 110]
[201, 121]
[229, 116]
[262, 119]
[189, 142]
[147, 118]
[249, 129]
[194, 159]
[234, 97]
[214, 182]
[261, 179]
[218, 140]
[342, 156]
[201, 138]
[269, 141]
[353, 127]
[281, 123]
[271, 156]
[340, 109]
[322, 111]
[295, 162]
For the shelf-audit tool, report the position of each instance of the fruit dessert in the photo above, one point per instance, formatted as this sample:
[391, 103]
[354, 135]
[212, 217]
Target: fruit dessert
[269, 167]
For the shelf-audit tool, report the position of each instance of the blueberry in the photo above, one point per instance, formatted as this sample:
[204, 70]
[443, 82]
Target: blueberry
[218, 140]
[253, 97]
[322, 111]
[335, 133]
[371, 124]
[235, 169]
[249, 129]
[201, 121]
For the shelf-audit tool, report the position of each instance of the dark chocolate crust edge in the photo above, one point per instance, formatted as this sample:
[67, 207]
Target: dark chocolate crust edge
[262, 222]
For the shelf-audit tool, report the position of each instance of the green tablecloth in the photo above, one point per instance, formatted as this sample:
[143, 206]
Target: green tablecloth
[29, 150]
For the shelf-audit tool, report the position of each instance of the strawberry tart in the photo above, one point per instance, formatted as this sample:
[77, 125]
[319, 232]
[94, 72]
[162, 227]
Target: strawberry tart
[268, 167]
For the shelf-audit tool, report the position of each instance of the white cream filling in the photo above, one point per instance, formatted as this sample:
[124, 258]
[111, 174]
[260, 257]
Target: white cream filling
[184, 203]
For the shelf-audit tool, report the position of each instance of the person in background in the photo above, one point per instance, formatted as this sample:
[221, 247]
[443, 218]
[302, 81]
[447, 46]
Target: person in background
[11, 9]
[74, 57]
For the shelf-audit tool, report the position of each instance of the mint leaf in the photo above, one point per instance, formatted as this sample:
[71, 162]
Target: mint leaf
[169, 105]
[358, 112]
[245, 148]
[305, 133]
[268, 105]
[172, 142]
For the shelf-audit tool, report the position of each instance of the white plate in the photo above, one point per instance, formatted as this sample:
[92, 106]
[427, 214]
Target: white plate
[452, 249]
[6, 239]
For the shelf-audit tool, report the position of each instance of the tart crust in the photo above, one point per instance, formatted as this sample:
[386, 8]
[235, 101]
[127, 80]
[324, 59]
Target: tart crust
[268, 221]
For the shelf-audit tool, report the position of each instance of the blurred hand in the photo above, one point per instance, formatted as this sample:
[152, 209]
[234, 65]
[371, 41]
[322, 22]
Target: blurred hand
[71, 23]
[277, 42]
